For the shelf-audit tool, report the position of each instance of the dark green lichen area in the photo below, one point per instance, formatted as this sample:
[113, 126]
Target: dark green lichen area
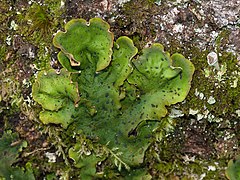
[9, 152]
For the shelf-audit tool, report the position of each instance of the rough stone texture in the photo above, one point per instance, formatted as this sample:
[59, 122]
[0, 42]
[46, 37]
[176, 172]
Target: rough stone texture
[198, 22]
[224, 13]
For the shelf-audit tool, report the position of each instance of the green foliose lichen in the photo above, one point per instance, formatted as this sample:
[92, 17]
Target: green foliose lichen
[57, 95]
[109, 93]
[10, 146]
[233, 169]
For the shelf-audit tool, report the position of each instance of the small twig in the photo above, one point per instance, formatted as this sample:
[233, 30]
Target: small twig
[35, 151]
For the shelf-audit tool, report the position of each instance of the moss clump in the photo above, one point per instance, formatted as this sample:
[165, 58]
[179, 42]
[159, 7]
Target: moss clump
[41, 20]
[220, 85]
